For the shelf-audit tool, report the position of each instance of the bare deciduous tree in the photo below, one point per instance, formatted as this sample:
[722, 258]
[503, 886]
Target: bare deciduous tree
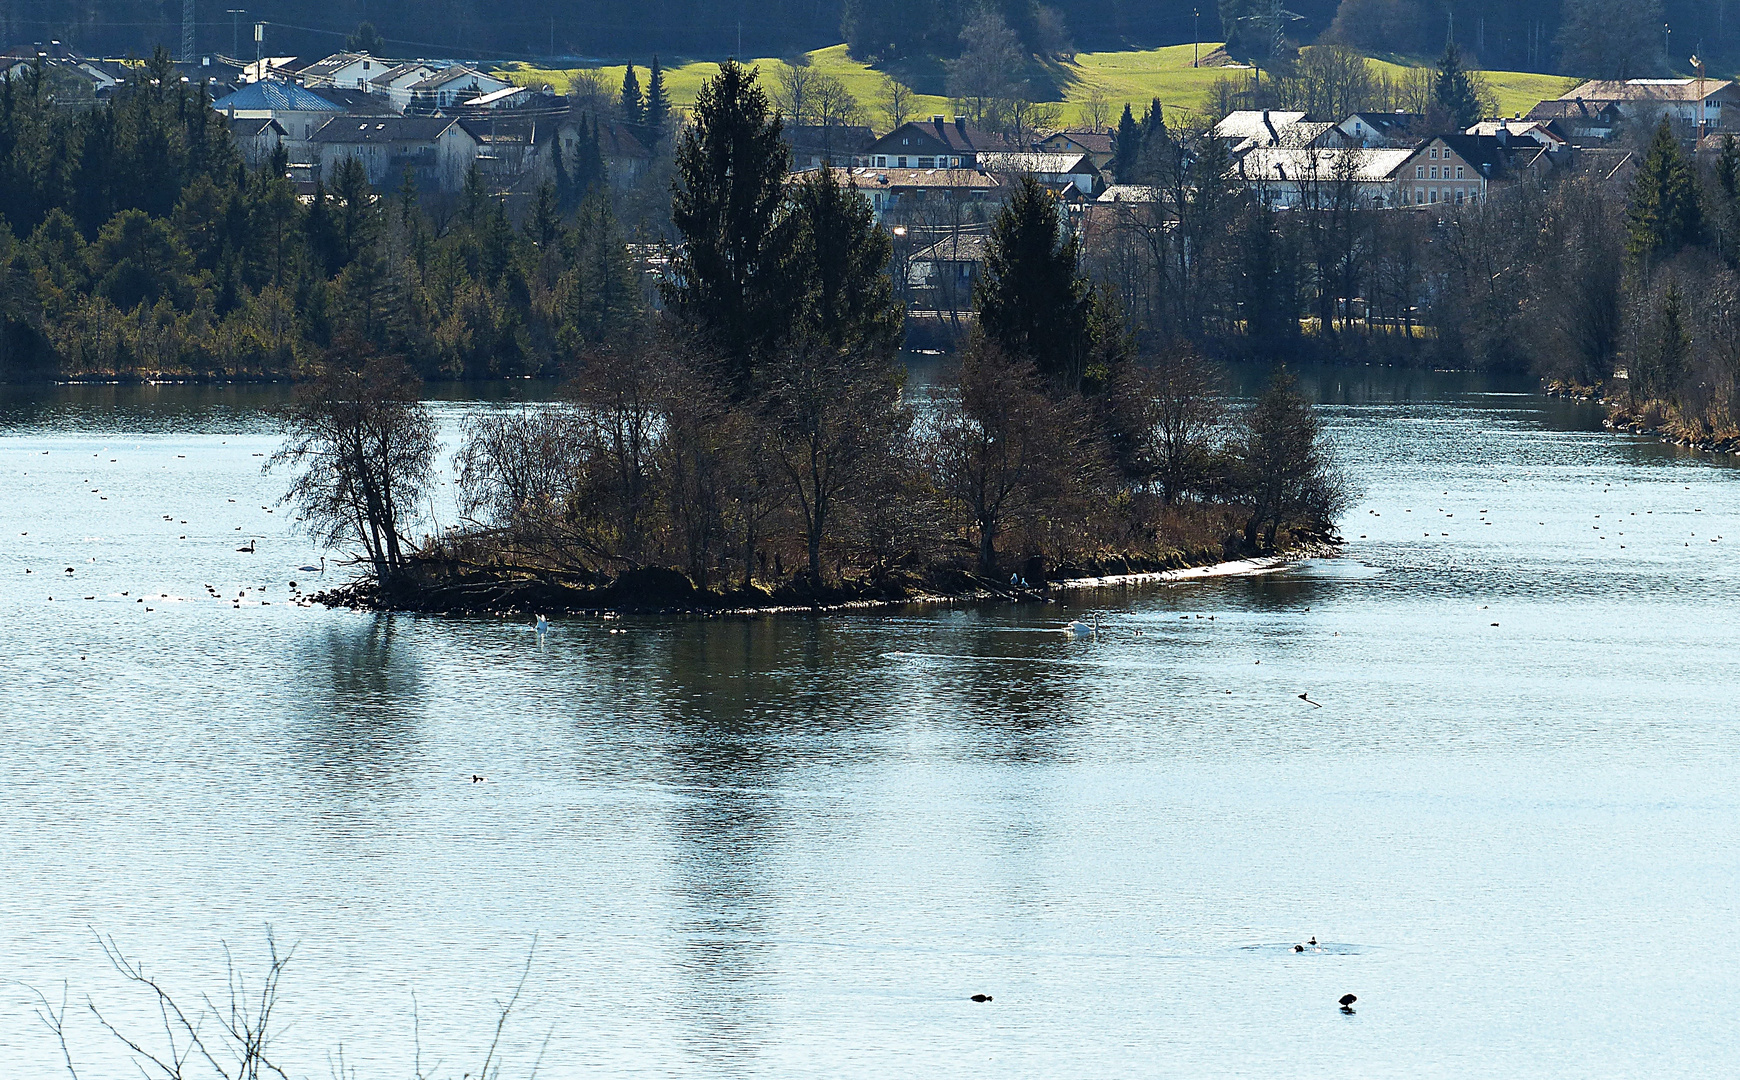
[364, 444]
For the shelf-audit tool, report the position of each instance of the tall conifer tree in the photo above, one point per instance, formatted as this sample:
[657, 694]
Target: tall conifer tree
[633, 105]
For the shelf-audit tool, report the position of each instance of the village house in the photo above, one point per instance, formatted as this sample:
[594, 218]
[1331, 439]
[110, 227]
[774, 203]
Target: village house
[509, 147]
[1447, 169]
[1100, 146]
[299, 111]
[437, 150]
[1073, 169]
[936, 143]
[1385, 131]
[256, 138]
[452, 86]
[1688, 103]
[1516, 131]
[348, 70]
[626, 158]
[1581, 123]
[1313, 177]
[926, 194]
[1249, 129]
[395, 83]
[941, 275]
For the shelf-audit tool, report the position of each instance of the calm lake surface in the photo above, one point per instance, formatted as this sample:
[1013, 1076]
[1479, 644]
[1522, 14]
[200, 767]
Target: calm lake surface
[795, 847]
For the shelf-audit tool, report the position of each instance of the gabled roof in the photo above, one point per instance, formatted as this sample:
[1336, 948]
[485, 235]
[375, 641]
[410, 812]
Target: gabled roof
[1576, 109]
[1325, 165]
[616, 141]
[1385, 123]
[510, 130]
[1264, 127]
[1050, 164]
[325, 69]
[1093, 142]
[250, 128]
[958, 136]
[1647, 90]
[387, 77]
[277, 97]
[452, 74]
[1130, 193]
[349, 131]
[1531, 130]
[1481, 151]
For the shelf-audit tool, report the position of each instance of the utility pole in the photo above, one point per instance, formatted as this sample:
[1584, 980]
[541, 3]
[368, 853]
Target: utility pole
[259, 39]
[1195, 36]
[187, 16]
[235, 15]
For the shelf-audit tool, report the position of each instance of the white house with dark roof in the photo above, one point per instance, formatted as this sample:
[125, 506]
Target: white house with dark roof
[1075, 169]
[452, 86]
[437, 150]
[935, 144]
[351, 71]
[396, 82]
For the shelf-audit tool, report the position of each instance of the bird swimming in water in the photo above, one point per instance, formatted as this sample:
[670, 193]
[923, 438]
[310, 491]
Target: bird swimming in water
[1306, 698]
[981, 997]
[1347, 1001]
[1313, 941]
[1298, 948]
[476, 779]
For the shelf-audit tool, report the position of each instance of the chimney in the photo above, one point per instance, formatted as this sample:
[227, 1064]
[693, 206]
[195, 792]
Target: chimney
[1274, 136]
[939, 120]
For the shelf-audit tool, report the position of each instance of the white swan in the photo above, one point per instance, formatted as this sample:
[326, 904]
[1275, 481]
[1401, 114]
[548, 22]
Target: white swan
[1077, 628]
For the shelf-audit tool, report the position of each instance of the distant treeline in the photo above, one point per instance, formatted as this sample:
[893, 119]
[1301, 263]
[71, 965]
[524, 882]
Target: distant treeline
[135, 243]
[1585, 37]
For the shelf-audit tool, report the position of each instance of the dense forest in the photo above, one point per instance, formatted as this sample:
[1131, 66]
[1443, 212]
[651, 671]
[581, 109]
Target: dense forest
[134, 243]
[1589, 37]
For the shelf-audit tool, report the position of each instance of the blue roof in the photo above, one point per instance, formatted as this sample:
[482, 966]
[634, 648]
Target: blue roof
[277, 96]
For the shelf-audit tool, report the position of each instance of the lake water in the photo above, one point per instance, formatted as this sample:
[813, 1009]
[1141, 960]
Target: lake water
[795, 847]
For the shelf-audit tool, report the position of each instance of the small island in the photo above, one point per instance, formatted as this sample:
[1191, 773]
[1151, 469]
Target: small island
[751, 445]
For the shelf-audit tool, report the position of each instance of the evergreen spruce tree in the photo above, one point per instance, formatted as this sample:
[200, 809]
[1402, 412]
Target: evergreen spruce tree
[838, 268]
[1033, 301]
[633, 105]
[1664, 215]
[658, 102]
[1129, 147]
[1454, 89]
[730, 181]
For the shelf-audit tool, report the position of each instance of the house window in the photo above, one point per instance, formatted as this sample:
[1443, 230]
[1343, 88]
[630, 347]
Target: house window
[1458, 196]
[1419, 196]
[1458, 172]
[881, 162]
[1434, 153]
[1434, 172]
[1434, 194]
[1419, 172]
[927, 163]
[900, 163]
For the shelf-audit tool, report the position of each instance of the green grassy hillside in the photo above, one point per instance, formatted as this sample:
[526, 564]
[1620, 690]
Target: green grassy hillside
[1135, 77]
